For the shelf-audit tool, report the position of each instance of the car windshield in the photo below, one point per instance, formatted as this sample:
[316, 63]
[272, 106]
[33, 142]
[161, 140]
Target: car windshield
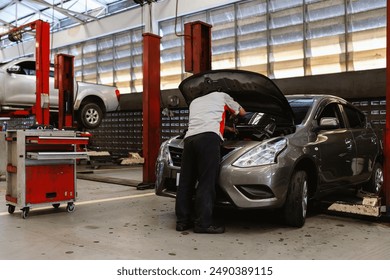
[300, 108]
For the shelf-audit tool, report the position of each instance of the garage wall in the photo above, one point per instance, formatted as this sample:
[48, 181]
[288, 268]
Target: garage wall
[134, 18]
[279, 39]
[349, 85]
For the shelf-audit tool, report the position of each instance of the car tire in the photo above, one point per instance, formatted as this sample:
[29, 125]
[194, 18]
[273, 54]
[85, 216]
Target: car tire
[295, 207]
[90, 116]
[375, 184]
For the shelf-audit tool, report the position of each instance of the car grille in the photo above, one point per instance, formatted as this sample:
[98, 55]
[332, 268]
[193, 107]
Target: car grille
[176, 154]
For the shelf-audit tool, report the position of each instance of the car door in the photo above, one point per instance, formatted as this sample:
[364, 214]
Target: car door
[366, 142]
[20, 86]
[337, 150]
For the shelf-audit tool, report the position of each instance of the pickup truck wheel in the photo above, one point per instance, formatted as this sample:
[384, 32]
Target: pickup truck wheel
[91, 115]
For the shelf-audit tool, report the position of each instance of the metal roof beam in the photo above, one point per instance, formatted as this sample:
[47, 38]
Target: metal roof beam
[62, 11]
[69, 13]
[104, 7]
[38, 11]
[6, 6]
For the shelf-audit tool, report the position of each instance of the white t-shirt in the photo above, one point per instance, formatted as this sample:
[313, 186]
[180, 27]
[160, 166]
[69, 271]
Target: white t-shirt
[207, 113]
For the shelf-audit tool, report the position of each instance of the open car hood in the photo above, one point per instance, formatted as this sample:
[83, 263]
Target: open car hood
[254, 92]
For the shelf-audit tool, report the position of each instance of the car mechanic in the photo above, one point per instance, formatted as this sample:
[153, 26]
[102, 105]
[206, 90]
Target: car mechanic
[201, 160]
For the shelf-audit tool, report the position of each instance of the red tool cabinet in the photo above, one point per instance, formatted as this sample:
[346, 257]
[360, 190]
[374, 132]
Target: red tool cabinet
[41, 168]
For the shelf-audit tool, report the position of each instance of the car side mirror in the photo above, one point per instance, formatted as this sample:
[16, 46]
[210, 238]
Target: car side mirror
[329, 123]
[16, 69]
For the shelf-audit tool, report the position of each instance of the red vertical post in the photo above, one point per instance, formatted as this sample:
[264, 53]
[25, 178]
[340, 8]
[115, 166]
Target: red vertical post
[151, 105]
[197, 47]
[42, 56]
[386, 168]
[64, 82]
[188, 53]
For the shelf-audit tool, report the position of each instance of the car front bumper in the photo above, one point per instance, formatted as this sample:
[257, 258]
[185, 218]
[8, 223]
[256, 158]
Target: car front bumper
[250, 187]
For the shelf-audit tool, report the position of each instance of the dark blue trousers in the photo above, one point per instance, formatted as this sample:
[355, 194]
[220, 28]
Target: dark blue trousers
[199, 177]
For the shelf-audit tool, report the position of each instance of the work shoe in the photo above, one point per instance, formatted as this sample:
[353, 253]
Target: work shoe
[210, 229]
[183, 226]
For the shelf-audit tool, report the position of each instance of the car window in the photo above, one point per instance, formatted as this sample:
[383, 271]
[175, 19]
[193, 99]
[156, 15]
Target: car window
[331, 111]
[28, 68]
[356, 119]
[300, 108]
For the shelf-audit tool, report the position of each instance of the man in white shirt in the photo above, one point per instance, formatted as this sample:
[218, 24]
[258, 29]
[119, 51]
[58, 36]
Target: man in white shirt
[201, 160]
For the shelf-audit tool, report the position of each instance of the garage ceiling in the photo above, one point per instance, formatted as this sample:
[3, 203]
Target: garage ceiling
[60, 13]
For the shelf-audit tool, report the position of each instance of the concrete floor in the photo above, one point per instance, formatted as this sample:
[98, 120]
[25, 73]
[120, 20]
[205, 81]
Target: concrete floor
[119, 222]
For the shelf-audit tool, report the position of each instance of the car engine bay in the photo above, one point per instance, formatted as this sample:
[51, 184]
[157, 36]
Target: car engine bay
[255, 126]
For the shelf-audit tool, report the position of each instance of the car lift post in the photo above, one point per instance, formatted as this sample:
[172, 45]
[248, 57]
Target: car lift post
[151, 106]
[197, 47]
[386, 185]
[42, 53]
[42, 68]
[64, 82]
[198, 59]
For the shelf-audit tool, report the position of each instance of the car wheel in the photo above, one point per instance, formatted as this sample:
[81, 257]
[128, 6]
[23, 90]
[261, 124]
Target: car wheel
[91, 115]
[295, 207]
[376, 182]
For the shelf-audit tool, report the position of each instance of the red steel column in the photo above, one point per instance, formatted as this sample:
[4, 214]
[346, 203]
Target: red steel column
[387, 132]
[151, 105]
[42, 56]
[64, 82]
[197, 47]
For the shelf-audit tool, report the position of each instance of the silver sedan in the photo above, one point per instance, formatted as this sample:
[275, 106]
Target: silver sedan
[286, 150]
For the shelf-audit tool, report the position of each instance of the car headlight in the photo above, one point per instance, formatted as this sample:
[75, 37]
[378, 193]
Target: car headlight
[263, 154]
[163, 153]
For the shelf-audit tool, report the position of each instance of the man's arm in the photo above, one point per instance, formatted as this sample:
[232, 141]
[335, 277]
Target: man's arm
[241, 112]
[232, 106]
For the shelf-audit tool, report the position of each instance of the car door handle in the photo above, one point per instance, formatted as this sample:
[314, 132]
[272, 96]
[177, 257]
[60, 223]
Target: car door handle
[348, 143]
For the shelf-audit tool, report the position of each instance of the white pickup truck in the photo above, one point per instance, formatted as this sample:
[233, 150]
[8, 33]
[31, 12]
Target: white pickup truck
[17, 92]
